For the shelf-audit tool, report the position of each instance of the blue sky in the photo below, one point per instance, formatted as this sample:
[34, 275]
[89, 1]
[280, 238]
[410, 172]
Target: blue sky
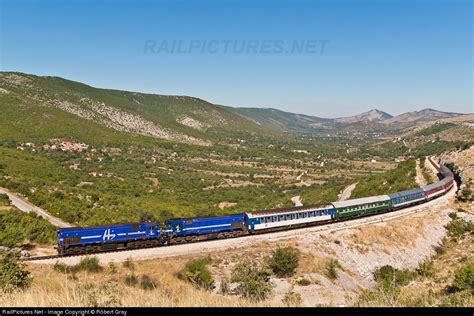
[396, 56]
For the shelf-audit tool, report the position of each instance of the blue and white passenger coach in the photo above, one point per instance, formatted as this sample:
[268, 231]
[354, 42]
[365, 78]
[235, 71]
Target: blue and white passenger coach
[289, 217]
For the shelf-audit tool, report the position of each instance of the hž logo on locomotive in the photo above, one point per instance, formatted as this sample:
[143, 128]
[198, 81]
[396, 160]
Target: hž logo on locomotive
[108, 235]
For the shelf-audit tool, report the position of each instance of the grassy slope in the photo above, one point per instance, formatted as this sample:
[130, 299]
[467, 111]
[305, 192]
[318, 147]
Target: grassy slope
[26, 116]
[283, 121]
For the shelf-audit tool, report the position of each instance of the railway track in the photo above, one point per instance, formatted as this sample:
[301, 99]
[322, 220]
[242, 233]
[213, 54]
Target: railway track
[337, 226]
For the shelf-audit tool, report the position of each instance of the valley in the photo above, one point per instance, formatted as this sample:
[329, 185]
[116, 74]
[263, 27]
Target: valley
[90, 156]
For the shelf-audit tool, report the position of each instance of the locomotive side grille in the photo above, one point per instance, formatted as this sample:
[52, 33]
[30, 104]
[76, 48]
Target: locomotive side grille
[72, 240]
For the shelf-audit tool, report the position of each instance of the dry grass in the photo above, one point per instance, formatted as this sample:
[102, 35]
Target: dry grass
[399, 233]
[52, 288]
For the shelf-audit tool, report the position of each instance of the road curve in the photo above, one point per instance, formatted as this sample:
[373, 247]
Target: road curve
[346, 193]
[25, 206]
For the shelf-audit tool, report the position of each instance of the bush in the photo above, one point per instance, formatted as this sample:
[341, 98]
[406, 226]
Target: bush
[292, 298]
[253, 281]
[90, 264]
[331, 271]
[303, 282]
[129, 264]
[464, 278]
[146, 216]
[284, 261]
[147, 283]
[64, 268]
[131, 280]
[196, 272]
[13, 273]
[388, 277]
[426, 269]
[112, 268]
[4, 200]
[457, 228]
[224, 288]
[17, 227]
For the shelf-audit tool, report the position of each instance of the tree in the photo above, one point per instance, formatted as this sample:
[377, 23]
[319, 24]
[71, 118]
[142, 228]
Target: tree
[13, 273]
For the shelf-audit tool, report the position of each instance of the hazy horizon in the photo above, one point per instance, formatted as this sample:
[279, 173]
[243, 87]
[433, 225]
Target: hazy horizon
[321, 58]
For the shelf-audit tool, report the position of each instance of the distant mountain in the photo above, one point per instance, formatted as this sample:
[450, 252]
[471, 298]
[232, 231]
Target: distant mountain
[425, 115]
[372, 116]
[371, 122]
[41, 108]
[285, 121]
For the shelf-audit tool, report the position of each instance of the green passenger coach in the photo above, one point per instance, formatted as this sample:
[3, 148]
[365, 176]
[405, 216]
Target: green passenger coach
[363, 206]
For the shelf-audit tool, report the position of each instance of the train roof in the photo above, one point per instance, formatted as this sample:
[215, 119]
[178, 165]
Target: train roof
[289, 209]
[370, 199]
[432, 186]
[204, 217]
[102, 226]
[406, 192]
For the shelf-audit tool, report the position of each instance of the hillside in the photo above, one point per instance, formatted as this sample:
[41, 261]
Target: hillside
[372, 123]
[39, 108]
[285, 121]
[371, 116]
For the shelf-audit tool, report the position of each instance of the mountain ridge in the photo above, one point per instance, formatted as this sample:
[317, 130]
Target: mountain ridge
[176, 118]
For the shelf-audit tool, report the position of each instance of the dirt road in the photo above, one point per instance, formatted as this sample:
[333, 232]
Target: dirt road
[346, 193]
[27, 207]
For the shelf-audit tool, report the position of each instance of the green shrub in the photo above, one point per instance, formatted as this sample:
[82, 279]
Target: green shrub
[64, 268]
[284, 261]
[147, 216]
[303, 282]
[147, 283]
[131, 280]
[196, 272]
[4, 200]
[253, 281]
[426, 269]
[13, 273]
[464, 278]
[458, 227]
[17, 227]
[90, 264]
[388, 277]
[331, 271]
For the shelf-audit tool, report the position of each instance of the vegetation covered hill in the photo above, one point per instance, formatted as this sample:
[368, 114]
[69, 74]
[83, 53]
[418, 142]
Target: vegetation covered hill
[95, 156]
[372, 123]
[38, 108]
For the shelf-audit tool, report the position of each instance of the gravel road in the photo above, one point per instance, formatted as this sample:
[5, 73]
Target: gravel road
[27, 207]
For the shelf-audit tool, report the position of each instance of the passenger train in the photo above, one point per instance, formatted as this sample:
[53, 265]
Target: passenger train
[86, 240]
